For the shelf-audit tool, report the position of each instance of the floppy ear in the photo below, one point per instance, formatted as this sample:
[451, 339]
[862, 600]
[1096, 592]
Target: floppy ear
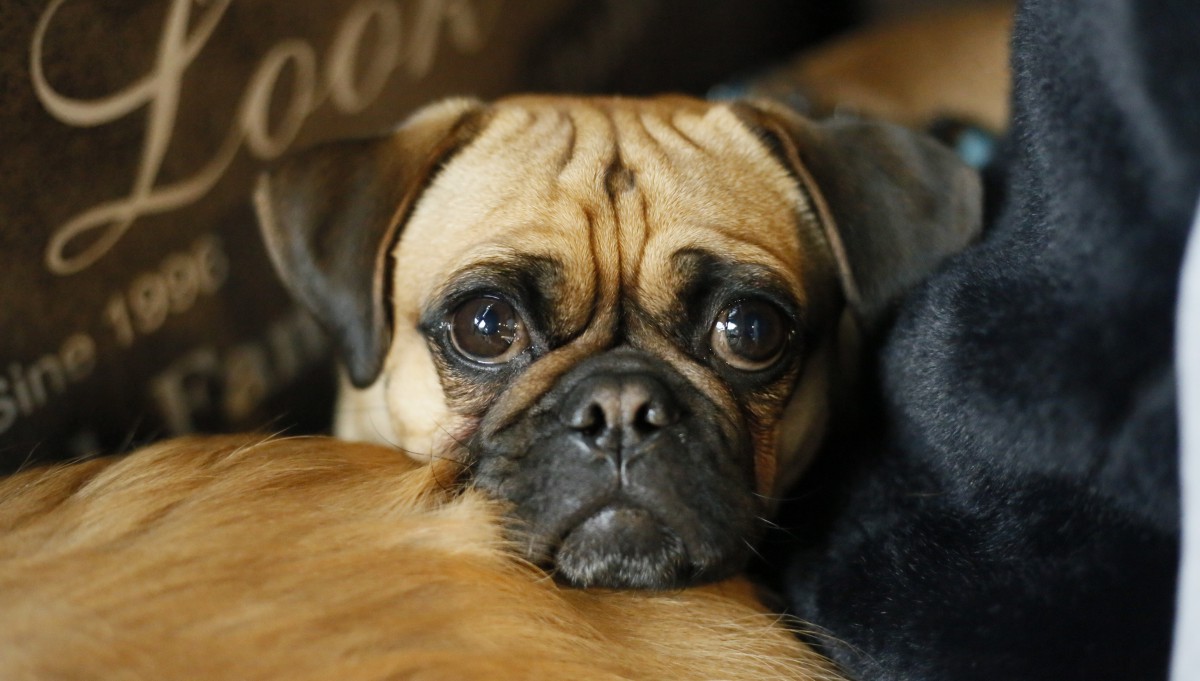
[892, 203]
[330, 216]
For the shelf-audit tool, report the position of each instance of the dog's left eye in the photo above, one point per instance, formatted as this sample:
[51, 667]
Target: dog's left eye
[750, 335]
[487, 330]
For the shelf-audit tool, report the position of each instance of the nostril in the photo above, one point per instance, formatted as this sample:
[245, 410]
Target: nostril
[652, 416]
[591, 422]
[641, 419]
[586, 417]
[619, 411]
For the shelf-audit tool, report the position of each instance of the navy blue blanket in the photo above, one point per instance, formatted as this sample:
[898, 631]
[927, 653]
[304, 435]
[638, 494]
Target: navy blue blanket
[1017, 517]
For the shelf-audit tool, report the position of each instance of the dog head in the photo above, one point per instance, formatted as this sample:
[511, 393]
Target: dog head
[625, 317]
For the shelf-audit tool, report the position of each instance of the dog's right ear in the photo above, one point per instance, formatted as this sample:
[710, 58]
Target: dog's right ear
[892, 203]
[330, 216]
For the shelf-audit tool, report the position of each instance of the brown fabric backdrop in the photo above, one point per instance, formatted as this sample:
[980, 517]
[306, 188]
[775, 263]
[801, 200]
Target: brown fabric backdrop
[135, 298]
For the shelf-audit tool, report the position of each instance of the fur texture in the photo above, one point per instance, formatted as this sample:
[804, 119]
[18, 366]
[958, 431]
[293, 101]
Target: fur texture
[1020, 519]
[314, 559]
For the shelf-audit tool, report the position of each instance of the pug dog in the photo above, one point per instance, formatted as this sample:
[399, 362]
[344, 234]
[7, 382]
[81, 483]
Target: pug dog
[631, 320]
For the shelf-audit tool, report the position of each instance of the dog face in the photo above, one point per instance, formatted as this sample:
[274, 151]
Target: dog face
[625, 317]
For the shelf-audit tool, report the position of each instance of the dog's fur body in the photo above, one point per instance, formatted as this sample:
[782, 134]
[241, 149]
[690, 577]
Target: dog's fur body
[614, 236]
[309, 558]
[951, 63]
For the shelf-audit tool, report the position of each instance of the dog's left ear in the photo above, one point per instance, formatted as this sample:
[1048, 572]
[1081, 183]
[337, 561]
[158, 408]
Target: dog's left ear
[330, 216]
[892, 203]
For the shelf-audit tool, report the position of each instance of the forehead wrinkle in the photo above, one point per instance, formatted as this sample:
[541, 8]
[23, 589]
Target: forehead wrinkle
[504, 141]
[670, 138]
[762, 178]
[567, 154]
[743, 241]
[663, 248]
[635, 252]
[629, 209]
[705, 166]
[699, 190]
[637, 146]
[498, 182]
[725, 134]
[581, 187]
[594, 147]
[506, 126]
[644, 155]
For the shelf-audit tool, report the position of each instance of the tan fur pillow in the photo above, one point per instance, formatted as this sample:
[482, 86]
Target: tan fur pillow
[308, 558]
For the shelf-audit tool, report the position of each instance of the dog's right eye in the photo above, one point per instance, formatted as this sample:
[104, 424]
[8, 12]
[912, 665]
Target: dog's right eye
[487, 330]
[750, 335]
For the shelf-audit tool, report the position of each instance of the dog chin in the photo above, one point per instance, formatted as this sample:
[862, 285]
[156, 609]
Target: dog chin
[623, 547]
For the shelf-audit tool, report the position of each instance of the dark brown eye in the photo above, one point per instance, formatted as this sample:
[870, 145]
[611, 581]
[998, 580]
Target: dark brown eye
[750, 335]
[487, 330]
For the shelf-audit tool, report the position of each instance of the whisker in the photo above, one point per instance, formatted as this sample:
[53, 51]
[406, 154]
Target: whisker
[750, 545]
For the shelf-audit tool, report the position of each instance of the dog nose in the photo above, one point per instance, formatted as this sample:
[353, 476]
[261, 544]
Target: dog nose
[618, 411]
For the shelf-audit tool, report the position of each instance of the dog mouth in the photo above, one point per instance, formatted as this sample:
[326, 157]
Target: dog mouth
[622, 476]
[621, 546]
